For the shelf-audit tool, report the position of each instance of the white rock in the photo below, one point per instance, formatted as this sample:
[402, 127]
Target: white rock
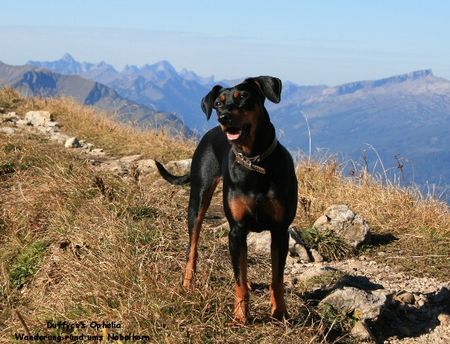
[22, 123]
[8, 130]
[363, 304]
[146, 166]
[9, 117]
[37, 118]
[180, 164]
[72, 142]
[259, 242]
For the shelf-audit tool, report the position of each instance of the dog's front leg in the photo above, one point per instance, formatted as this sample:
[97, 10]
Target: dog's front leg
[278, 251]
[238, 251]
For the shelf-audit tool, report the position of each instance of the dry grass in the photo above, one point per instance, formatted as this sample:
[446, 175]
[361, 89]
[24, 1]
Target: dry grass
[415, 229]
[92, 125]
[79, 245]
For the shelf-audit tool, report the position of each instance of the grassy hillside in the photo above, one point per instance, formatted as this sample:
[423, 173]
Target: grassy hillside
[80, 245]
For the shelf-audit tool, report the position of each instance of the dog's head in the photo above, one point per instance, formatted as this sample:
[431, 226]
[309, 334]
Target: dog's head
[239, 108]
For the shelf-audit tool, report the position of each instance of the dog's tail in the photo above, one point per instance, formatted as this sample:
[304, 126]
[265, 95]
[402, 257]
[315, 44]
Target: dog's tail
[177, 180]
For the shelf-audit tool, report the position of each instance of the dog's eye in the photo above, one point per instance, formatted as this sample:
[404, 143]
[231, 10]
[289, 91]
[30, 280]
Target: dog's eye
[243, 95]
[218, 104]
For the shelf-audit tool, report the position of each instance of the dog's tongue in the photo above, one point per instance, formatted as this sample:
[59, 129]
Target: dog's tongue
[232, 137]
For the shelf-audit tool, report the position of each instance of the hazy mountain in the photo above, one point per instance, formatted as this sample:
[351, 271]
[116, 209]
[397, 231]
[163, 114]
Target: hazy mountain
[157, 86]
[405, 116]
[36, 81]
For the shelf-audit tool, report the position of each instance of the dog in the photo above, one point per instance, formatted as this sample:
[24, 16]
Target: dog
[259, 184]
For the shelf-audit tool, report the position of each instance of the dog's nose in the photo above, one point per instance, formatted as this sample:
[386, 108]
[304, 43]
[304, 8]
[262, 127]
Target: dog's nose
[224, 118]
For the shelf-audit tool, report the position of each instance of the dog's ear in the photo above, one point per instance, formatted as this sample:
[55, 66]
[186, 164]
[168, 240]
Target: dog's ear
[208, 100]
[269, 86]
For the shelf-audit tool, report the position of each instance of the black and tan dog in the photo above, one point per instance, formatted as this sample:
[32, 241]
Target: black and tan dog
[259, 183]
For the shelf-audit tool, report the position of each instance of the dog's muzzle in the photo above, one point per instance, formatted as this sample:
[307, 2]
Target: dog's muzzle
[225, 119]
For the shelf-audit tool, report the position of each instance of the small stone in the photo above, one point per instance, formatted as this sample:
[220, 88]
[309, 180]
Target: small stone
[97, 152]
[9, 117]
[259, 242]
[22, 123]
[72, 142]
[444, 319]
[405, 297]
[8, 130]
[362, 333]
[317, 257]
[302, 252]
[421, 303]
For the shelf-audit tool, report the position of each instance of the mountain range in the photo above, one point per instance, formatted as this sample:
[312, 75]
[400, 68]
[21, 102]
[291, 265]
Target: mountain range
[399, 124]
[30, 80]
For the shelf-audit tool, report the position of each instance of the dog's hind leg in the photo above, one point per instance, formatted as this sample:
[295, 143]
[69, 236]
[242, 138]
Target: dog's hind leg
[199, 200]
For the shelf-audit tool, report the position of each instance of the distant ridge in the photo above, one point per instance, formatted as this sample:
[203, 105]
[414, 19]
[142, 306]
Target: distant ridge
[36, 81]
[358, 85]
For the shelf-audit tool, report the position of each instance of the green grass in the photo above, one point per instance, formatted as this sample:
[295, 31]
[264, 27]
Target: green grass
[330, 246]
[26, 263]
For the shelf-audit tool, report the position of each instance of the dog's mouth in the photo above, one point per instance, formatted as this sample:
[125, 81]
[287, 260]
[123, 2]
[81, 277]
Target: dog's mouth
[233, 134]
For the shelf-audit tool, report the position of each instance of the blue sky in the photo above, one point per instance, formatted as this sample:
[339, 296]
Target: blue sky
[308, 42]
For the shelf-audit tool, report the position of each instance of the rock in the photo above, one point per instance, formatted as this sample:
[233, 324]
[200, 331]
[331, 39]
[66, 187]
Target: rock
[58, 137]
[314, 271]
[362, 304]
[362, 333]
[259, 242]
[127, 160]
[22, 123]
[302, 252]
[292, 244]
[115, 166]
[353, 229]
[181, 165]
[88, 146]
[72, 142]
[405, 297]
[10, 117]
[37, 118]
[146, 166]
[97, 152]
[444, 319]
[8, 130]
[317, 257]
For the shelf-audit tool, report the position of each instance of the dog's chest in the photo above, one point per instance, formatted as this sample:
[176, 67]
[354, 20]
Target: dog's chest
[256, 209]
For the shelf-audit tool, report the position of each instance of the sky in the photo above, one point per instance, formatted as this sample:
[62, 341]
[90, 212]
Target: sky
[308, 42]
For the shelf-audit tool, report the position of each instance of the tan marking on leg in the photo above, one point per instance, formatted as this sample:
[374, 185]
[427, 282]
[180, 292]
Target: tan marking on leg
[241, 292]
[191, 264]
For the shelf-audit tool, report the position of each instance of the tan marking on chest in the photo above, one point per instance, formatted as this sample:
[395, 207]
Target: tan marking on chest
[240, 206]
